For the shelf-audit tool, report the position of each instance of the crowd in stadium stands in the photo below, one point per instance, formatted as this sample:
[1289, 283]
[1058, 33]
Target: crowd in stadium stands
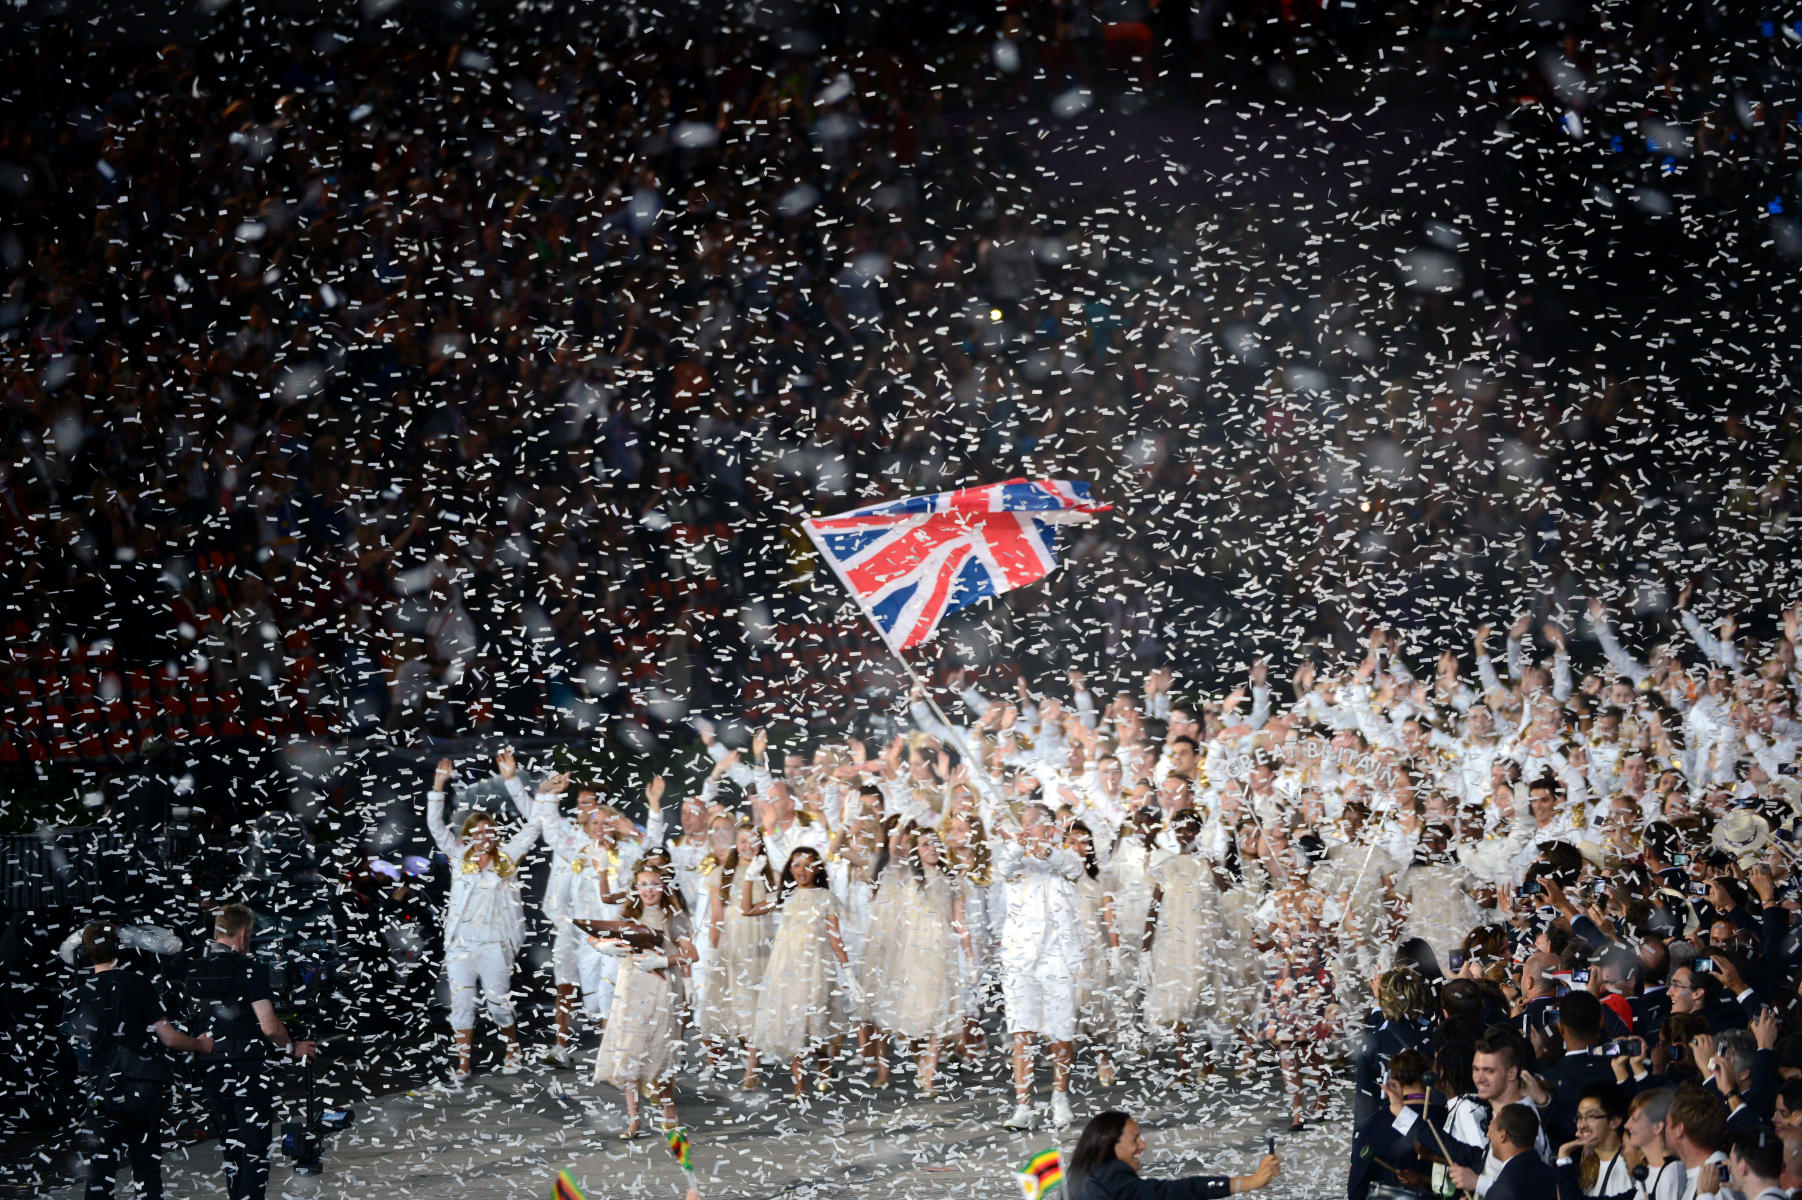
[448, 387]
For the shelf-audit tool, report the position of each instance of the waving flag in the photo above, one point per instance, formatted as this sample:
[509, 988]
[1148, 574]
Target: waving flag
[910, 562]
[1040, 1174]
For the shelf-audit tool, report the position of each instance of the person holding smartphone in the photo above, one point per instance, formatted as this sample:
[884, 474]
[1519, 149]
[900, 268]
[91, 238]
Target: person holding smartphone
[1105, 1166]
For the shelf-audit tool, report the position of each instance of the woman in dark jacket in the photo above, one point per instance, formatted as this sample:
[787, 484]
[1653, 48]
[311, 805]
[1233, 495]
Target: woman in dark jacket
[1105, 1166]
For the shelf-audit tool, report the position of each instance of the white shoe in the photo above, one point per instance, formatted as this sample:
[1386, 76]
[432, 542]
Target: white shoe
[559, 1055]
[1060, 1110]
[1022, 1118]
[512, 1065]
[458, 1076]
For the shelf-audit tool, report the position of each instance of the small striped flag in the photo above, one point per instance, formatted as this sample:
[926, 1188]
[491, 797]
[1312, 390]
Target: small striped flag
[565, 1188]
[1040, 1174]
[678, 1145]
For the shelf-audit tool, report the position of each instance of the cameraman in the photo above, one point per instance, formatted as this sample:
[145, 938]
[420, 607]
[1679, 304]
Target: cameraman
[116, 1021]
[232, 998]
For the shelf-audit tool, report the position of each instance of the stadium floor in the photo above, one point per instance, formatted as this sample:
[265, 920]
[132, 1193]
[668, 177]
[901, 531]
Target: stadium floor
[508, 1136]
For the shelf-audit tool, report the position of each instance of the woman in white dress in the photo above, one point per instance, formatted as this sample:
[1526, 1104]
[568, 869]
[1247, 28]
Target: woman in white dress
[484, 922]
[920, 1003]
[1130, 868]
[801, 1008]
[882, 943]
[1097, 1000]
[639, 1049]
[740, 928]
[1239, 970]
[1435, 891]
[856, 855]
[967, 857]
[1181, 930]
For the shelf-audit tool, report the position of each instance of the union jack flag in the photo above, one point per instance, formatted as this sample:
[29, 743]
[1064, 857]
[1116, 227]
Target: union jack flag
[910, 562]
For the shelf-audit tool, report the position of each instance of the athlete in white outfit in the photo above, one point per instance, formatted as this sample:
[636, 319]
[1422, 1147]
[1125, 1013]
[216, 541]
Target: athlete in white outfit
[1041, 947]
[565, 941]
[484, 922]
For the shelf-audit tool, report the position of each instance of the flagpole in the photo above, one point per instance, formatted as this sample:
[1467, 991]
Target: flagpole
[979, 771]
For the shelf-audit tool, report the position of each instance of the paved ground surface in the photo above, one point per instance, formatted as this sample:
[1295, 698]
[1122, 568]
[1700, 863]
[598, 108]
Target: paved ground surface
[507, 1137]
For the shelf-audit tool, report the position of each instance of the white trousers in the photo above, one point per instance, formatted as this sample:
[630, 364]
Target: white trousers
[596, 972]
[1040, 998]
[487, 966]
[564, 966]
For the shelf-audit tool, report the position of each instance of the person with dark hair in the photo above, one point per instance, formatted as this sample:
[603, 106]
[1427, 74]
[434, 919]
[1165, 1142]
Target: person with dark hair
[739, 922]
[233, 1000]
[118, 1028]
[1741, 1065]
[1179, 937]
[1580, 1026]
[1183, 754]
[1381, 1157]
[804, 1003]
[1521, 1174]
[1755, 1160]
[1653, 1003]
[919, 1002]
[1594, 1161]
[1105, 1166]
[1100, 1007]
[1496, 1071]
[1789, 1127]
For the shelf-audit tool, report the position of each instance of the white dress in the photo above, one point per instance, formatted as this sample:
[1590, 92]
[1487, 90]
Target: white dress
[888, 909]
[802, 1003]
[854, 894]
[1098, 1000]
[644, 1030]
[921, 999]
[1440, 910]
[728, 1008]
[1130, 881]
[1179, 986]
[1239, 970]
[975, 966]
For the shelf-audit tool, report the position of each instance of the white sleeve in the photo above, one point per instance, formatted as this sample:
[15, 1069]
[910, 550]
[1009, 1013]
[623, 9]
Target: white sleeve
[1624, 664]
[559, 834]
[519, 843]
[1009, 860]
[516, 792]
[1084, 703]
[1486, 672]
[739, 774]
[1719, 651]
[1516, 657]
[1561, 676]
[1064, 862]
[442, 837]
[1260, 706]
[975, 701]
[929, 724]
[655, 827]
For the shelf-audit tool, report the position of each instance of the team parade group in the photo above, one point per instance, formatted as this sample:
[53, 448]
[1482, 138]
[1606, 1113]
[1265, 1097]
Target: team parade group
[1481, 881]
